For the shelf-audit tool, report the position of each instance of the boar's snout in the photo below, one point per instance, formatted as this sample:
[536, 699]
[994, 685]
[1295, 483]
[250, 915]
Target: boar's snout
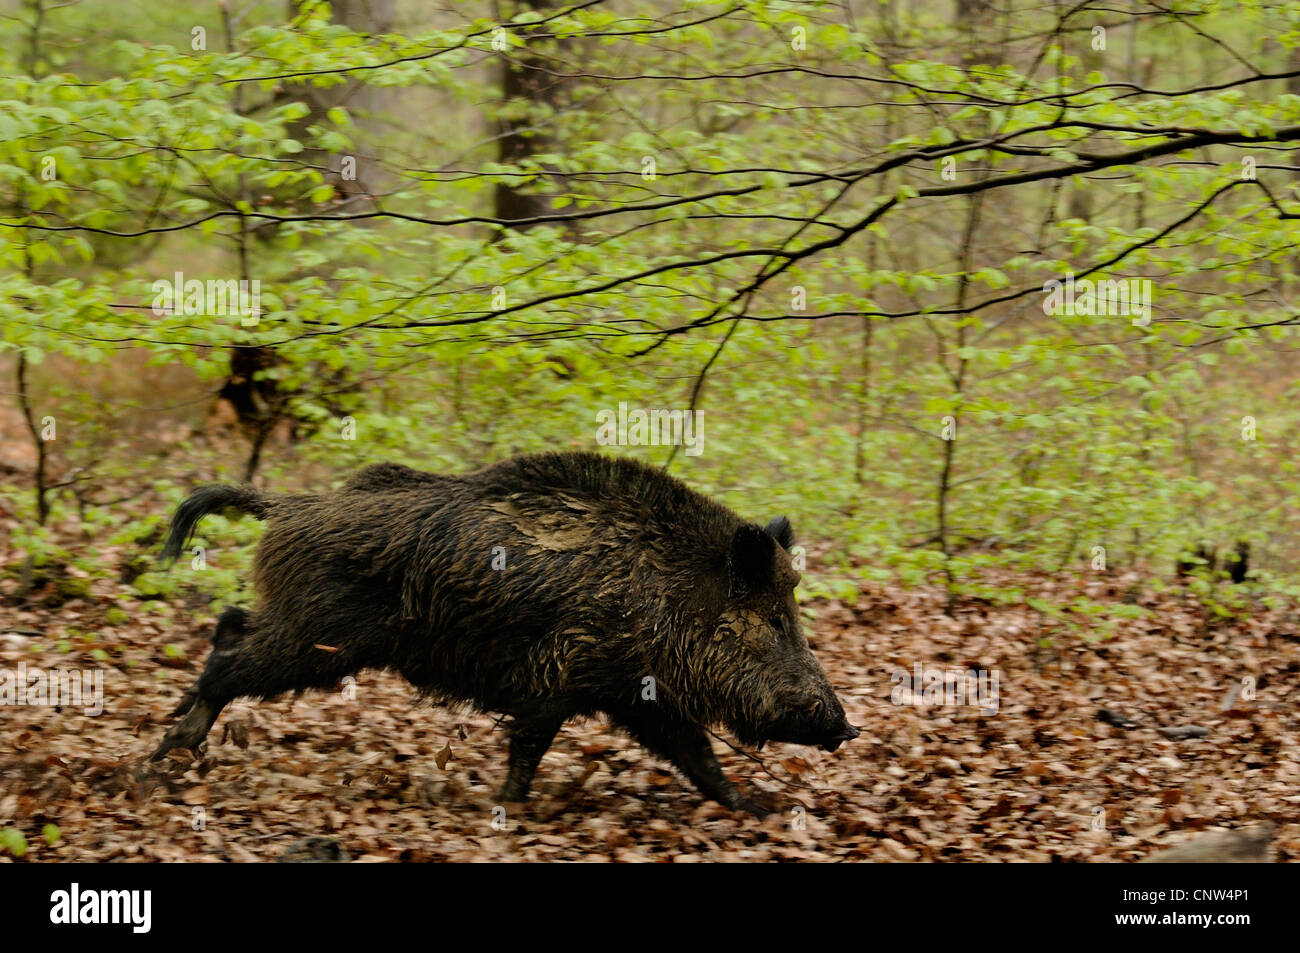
[817, 721]
[847, 733]
[837, 729]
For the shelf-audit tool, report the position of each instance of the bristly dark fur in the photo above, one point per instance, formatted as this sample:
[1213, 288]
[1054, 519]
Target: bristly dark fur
[544, 587]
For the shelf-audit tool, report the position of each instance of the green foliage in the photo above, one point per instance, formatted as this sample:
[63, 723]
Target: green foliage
[13, 842]
[1084, 442]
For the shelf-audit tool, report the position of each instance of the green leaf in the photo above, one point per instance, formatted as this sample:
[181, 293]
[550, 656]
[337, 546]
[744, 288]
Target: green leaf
[13, 841]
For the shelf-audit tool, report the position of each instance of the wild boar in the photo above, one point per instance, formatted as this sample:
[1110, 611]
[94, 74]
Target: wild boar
[545, 587]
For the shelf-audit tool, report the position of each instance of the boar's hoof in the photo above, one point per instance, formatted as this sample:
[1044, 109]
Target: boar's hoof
[512, 794]
[196, 751]
[191, 731]
[195, 748]
[740, 804]
[184, 734]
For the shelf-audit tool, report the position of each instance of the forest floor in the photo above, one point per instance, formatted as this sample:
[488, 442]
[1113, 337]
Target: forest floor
[1072, 765]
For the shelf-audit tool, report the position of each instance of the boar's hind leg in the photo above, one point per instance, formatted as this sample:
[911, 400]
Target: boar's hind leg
[190, 731]
[529, 740]
[687, 747]
[201, 704]
[230, 628]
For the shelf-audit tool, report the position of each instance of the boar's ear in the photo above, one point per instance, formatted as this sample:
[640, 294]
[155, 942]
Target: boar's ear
[750, 559]
[781, 531]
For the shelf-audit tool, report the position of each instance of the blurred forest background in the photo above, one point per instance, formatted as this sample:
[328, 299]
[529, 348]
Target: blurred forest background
[737, 206]
[825, 225]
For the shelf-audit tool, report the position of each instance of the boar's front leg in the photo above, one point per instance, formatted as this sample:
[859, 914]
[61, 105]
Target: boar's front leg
[529, 739]
[687, 747]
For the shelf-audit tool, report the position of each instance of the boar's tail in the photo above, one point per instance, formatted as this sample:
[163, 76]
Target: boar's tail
[210, 499]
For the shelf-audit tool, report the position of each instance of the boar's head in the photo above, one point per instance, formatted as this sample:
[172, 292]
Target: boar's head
[765, 682]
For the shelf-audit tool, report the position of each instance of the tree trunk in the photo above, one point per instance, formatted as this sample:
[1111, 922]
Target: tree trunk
[524, 77]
